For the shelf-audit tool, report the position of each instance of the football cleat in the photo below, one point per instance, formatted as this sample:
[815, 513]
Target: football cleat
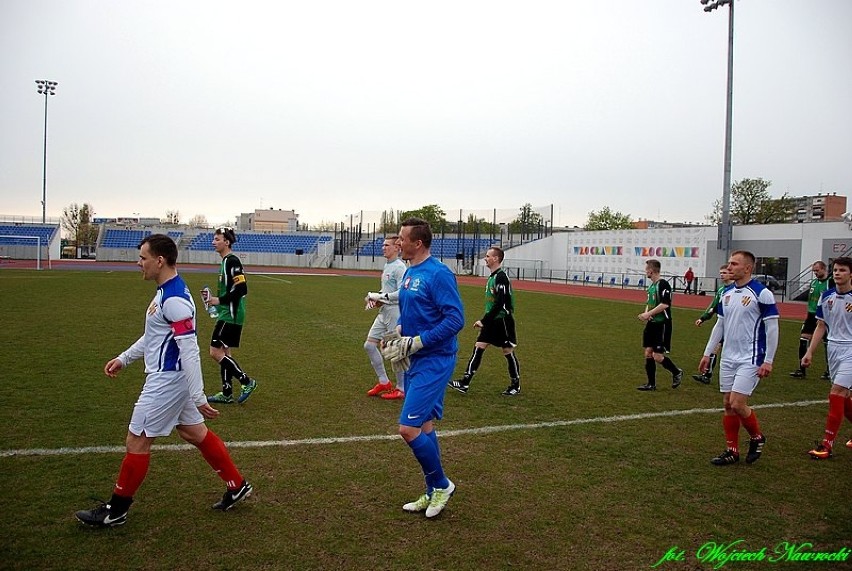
[725, 458]
[220, 398]
[755, 449]
[101, 516]
[677, 378]
[821, 452]
[826, 376]
[439, 500]
[232, 497]
[648, 387]
[512, 390]
[395, 394]
[247, 390]
[704, 379]
[379, 389]
[798, 374]
[461, 385]
[418, 505]
[849, 443]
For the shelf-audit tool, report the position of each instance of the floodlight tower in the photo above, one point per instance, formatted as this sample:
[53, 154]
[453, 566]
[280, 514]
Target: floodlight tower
[725, 233]
[45, 87]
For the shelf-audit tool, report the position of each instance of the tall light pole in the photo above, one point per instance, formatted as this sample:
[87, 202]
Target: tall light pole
[725, 232]
[45, 87]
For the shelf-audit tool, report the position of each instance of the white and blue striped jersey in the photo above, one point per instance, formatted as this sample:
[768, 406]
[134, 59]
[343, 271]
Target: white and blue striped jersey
[742, 313]
[835, 309]
[169, 345]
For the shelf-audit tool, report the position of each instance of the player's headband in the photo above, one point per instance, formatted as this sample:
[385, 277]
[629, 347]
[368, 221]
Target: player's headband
[227, 232]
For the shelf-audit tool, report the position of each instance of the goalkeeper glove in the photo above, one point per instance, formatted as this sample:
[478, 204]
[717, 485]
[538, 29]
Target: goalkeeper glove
[400, 366]
[374, 296]
[401, 348]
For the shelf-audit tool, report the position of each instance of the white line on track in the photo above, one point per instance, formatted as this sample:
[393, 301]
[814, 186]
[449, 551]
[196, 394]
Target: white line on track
[378, 437]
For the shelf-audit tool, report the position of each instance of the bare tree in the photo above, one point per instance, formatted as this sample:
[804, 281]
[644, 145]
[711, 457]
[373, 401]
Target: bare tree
[77, 222]
[172, 217]
[198, 221]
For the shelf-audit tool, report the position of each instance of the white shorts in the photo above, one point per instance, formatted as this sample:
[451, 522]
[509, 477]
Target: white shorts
[163, 404]
[385, 322]
[738, 377]
[840, 364]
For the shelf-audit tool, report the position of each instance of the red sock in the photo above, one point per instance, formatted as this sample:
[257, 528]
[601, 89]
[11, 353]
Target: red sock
[835, 417]
[214, 451]
[849, 409]
[751, 425]
[731, 423]
[132, 473]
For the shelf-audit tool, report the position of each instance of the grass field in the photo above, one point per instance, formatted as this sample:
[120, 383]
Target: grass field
[580, 471]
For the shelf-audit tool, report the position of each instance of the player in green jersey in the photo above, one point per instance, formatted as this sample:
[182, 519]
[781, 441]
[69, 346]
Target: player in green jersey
[707, 376]
[657, 337]
[821, 282]
[230, 303]
[496, 327]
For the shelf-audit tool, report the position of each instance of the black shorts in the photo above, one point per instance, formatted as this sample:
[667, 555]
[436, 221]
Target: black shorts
[658, 336]
[500, 333]
[809, 326]
[226, 335]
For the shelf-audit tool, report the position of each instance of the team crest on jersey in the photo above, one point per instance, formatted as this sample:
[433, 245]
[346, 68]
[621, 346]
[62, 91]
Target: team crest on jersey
[830, 304]
[406, 283]
[727, 299]
[746, 301]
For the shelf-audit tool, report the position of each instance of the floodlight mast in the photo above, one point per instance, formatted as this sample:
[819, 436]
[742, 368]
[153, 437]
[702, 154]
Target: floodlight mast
[45, 87]
[725, 233]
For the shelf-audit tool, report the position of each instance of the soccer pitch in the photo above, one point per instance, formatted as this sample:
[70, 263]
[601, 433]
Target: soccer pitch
[580, 471]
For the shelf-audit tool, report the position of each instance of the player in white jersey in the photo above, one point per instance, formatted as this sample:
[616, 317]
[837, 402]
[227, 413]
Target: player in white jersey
[387, 300]
[173, 394]
[834, 314]
[748, 322]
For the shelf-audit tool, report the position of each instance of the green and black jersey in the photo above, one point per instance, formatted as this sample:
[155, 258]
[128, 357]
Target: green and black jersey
[711, 309]
[499, 299]
[818, 287]
[232, 291]
[660, 292]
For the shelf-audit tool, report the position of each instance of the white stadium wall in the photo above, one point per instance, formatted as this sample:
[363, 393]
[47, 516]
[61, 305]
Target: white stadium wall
[625, 251]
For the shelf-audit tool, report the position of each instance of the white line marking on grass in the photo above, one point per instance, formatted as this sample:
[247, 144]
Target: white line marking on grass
[378, 437]
[269, 277]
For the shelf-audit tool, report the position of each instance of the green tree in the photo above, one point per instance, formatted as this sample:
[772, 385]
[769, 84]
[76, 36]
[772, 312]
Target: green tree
[77, 222]
[527, 221]
[752, 203]
[606, 219]
[431, 213]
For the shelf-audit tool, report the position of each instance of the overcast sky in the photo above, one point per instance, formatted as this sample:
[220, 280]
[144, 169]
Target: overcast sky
[330, 107]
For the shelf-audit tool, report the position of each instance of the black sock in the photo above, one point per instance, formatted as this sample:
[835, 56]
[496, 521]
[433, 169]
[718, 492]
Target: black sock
[670, 366]
[514, 368]
[225, 374]
[825, 346]
[234, 369]
[713, 358]
[803, 348]
[651, 370]
[119, 504]
[473, 363]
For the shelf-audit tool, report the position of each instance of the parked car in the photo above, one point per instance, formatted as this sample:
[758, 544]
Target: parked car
[771, 282]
